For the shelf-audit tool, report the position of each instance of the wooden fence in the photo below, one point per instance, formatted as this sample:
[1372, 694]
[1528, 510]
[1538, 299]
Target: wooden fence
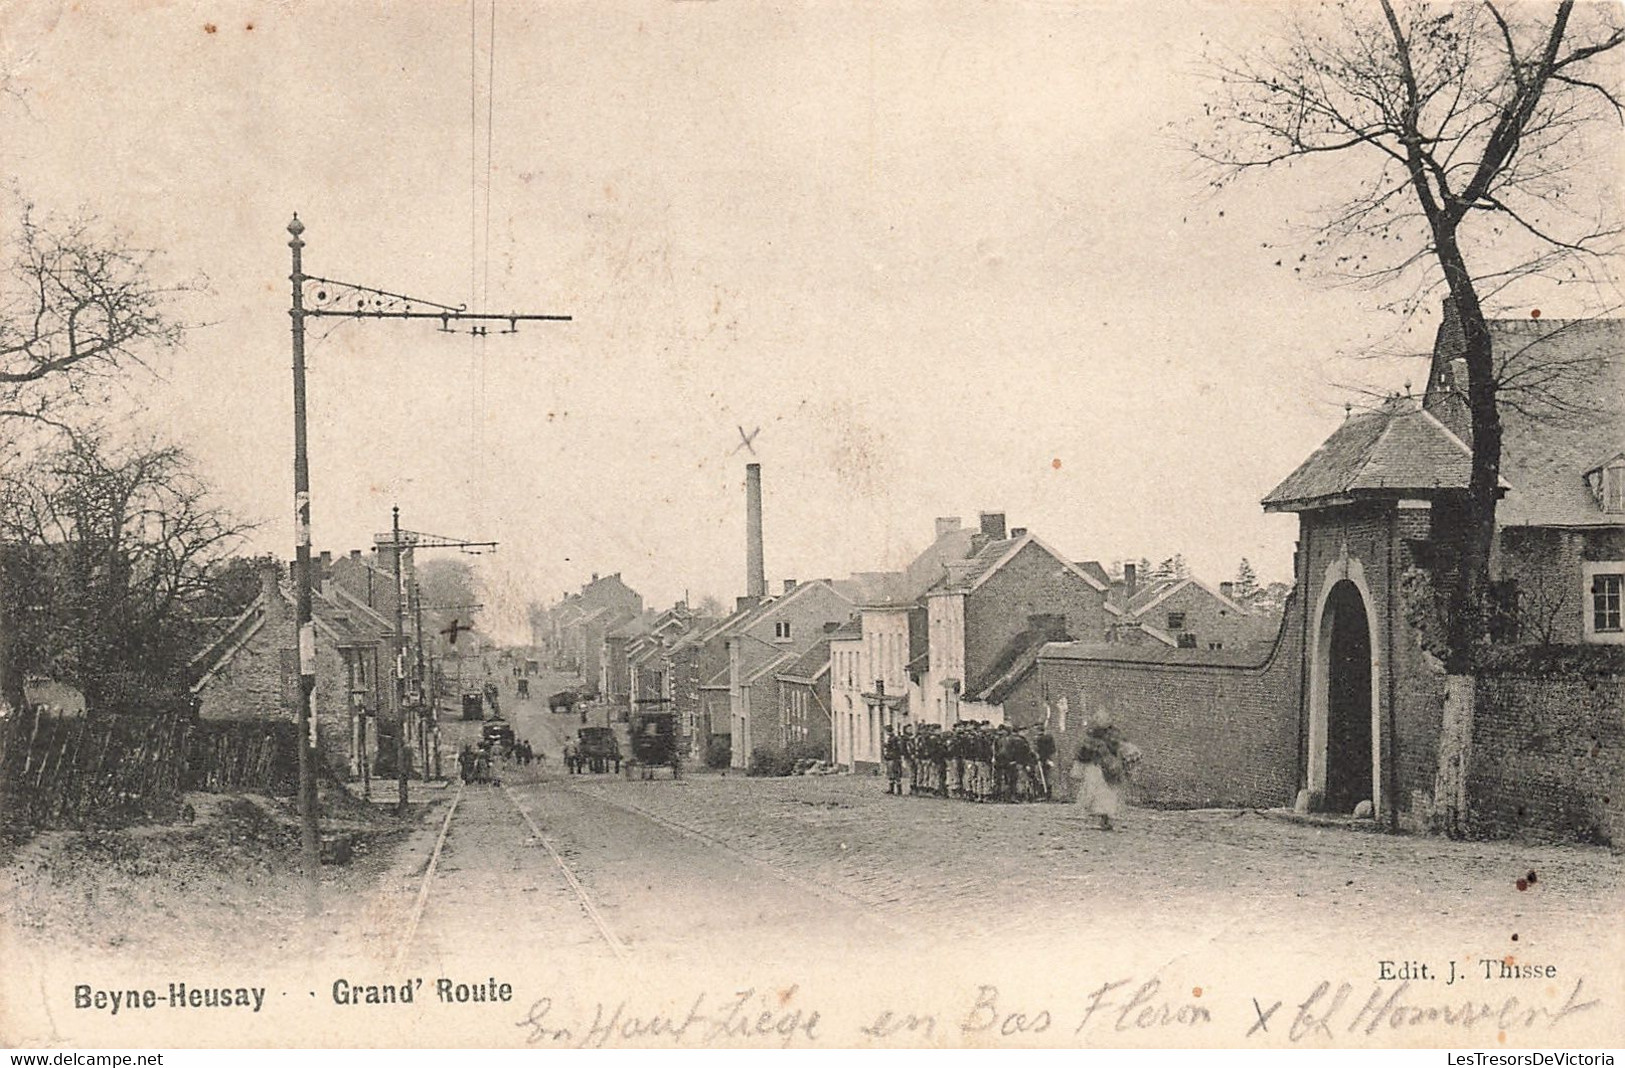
[80, 772]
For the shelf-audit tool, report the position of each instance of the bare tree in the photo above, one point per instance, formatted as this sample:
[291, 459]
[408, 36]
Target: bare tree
[1467, 124]
[113, 565]
[77, 308]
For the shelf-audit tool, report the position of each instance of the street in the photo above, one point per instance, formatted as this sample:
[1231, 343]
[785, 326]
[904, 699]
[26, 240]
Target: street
[726, 880]
[534, 910]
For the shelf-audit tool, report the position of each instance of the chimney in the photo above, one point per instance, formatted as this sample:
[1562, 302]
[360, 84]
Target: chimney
[742, 603]
[322, 570]
[789, 584]
[271, 592]
[958, 571]
[946, 525]
[993, 525]
[383, 553]
[355, 554]
[1227, 589]
[1131, 581]
[755, 573]
[1018, 532]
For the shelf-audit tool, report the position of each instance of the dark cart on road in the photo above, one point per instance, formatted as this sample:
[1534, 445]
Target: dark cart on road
[595, 749]
[473, 706]
[654, 744]
[563, 701]
[524, 689]
[499, 734]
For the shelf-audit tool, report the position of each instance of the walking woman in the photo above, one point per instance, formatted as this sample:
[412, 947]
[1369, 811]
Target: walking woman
[1102, 769]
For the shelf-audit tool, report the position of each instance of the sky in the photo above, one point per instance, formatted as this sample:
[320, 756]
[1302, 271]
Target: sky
[948, 257]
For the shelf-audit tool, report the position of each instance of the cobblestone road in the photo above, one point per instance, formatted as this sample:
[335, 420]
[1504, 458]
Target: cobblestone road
[1227, 880]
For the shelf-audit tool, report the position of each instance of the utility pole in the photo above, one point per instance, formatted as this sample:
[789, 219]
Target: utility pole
[313, 296]
[399, 542]
[310, 846]
[402, 750]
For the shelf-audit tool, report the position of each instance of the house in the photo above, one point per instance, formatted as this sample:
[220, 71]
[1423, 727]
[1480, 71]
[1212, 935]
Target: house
[992, 601]
[251, 671]
[615, 669]
[651, 687]
[1188, 613]
[696, 670]
[805, 721]
[857, 727]
[771, 636]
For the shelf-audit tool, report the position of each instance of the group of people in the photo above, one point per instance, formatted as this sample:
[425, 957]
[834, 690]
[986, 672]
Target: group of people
[976, 761]
[475, 763]
[970, 761]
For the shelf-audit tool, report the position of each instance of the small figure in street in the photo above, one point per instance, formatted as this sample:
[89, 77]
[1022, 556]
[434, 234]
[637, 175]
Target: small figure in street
[939, 762]
[1105, 761]
[891, 751]
[465, 764]
[1044, 749]
[910, 758]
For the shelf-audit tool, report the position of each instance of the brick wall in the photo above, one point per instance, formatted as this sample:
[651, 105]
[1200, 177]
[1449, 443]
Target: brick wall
[1548, 756]
[1212, 734]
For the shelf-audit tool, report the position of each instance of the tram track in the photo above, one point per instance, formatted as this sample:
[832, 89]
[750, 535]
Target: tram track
[431, 889]
[818, 889]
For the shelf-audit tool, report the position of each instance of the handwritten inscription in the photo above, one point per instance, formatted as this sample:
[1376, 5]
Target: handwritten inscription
[708, 1021]
[1329, 1013]
[1486, 1001]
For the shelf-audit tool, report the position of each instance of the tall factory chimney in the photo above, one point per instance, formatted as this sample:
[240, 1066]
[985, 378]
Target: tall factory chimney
[755, 572]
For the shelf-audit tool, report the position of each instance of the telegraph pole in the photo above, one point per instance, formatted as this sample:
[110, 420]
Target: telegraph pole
[402, 750]
[310, 846]
[398, 541]
[313, 296]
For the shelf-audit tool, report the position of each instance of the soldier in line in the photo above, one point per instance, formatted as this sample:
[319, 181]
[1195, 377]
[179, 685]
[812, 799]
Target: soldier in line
[953, 768]
[972, 761]
[939, 761]
[891, 751]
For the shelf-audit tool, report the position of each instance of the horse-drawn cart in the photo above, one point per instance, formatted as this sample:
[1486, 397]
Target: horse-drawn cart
[594, 749]
[654, 744]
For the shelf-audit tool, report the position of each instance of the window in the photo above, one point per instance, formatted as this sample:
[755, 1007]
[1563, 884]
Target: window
[1605, 602]
[1613, 488]
[1176, 621]
[781, 631]
[1187, 641]
[1215, 645]
[1608, 485]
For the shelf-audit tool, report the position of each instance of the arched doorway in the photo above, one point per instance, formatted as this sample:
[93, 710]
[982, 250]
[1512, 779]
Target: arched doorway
[1346, 641]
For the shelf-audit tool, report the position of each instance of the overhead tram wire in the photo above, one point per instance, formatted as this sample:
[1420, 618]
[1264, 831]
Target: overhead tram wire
[475, 350]
[490, 126]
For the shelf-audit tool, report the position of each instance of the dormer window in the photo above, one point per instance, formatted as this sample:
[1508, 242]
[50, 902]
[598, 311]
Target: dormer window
[1607, 482]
